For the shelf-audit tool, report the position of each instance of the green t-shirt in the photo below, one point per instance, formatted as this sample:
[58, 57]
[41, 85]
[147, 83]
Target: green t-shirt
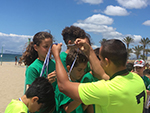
[16, 106]
[61, 99]
[87, 69]
[146, 82]
[88, 77]
[63, 57]
[122, 94]
[34, 71]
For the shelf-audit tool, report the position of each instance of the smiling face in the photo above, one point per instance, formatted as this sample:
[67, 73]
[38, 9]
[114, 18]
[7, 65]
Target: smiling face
[43, 48]
[78, 72]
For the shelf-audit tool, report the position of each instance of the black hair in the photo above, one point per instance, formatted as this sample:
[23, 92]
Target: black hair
[43, 89]
[146, 72]
[115, 50]
[72, 33]
[81, 58]
[129, 66]
[96, 50]
[30, 54]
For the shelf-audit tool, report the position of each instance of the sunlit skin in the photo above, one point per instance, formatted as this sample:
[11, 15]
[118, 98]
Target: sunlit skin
[31, 103]
[139, 70]
[103, 63]
[78, 72]
[43, 48]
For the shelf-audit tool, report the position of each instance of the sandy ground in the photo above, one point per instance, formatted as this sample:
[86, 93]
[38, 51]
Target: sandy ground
[11, 83]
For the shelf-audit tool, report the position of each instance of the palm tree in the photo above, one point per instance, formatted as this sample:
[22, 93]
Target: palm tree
[137, 50]
[144, 42]
[103, 40]
[129, 51]
[147, 51]
[128, 40]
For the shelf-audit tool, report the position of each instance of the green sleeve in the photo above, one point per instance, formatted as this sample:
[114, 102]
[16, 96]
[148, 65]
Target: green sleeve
[88, 77]
[87, 69]
[63, 56]
[31, 75]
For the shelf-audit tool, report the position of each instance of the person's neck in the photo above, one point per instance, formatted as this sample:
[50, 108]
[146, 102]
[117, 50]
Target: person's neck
[67, 51]
[141, 74]
[41, 59]
[25, 100]
[117, 69]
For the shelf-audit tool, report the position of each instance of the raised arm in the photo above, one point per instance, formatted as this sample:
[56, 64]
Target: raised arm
[68, 88]
[98, 71]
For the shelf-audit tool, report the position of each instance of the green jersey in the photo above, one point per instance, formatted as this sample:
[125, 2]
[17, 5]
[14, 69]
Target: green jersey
[87, 69]
[88, 77]
[122, 94]
[16, 106]
[63, 56]
[34, 71]
[147, 82]
[61, 99]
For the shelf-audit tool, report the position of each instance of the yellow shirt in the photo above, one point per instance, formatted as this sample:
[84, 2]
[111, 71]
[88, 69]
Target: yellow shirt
[16, 106]
[122, 94]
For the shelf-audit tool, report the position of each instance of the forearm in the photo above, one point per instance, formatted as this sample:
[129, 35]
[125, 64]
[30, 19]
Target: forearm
[61, 73]
[71, 106]
[97, 70]
[65, 86]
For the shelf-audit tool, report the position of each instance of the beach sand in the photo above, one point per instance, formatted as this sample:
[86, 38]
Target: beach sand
[11, 83]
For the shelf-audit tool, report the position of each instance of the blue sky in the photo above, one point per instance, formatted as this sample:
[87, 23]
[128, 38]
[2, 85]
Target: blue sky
[21, 19]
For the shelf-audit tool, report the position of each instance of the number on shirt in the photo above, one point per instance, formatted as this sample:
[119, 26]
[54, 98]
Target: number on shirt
[139, 96]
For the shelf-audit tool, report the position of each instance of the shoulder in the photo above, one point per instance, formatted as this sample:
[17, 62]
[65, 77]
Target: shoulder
[97, 87]
[36, 63]
[61, 98]
[88, 77]
[52, 61]
[63, 54]
[16, 106]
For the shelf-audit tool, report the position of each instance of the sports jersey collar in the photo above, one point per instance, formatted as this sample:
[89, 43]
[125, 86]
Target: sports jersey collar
[119, 73]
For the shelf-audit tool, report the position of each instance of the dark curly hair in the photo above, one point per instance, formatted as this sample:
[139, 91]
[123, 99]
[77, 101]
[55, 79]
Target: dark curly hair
[72, 33]
[30, 54]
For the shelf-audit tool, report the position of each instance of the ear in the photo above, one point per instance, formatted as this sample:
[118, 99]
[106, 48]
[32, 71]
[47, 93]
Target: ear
[107, 61]
[34, 99]
[68, 67]
[35, 47]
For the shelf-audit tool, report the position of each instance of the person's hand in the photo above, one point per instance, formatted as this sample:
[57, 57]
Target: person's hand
[83, 45]
[56, 48]
[52, 77]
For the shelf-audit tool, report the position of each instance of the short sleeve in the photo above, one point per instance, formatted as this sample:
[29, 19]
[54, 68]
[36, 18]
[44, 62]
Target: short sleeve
[31, 75]
[94, 93]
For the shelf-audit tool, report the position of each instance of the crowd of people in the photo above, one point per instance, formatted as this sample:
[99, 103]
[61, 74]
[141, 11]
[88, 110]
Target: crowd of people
[81, 80]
